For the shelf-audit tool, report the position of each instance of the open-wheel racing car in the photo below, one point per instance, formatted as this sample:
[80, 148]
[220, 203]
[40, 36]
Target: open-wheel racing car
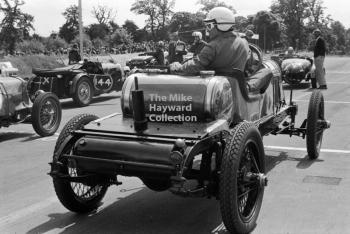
[177, 129]
[296, 68]
[79, 81]
[16, 107]
[144, 60]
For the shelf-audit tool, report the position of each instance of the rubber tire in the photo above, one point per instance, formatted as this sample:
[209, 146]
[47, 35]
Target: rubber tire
[235, 144]
[63, 188]
[157, 185]
[315, 110]
[35, 116]
[76, 98]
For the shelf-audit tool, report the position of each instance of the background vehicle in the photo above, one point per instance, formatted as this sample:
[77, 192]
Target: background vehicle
[168, 124]
[16, 107]
[78, 81]
[144, 60]
[296, 68]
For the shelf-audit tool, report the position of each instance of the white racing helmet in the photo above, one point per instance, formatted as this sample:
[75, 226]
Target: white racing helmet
[222, 17]
[197, 34]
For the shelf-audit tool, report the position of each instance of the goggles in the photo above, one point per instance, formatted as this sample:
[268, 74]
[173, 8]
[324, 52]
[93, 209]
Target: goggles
[209, 25]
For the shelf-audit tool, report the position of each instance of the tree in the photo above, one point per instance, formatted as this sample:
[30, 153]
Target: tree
[120, 36]
[70, 29]
[316, 13]
[158, 12]
[131, 27]
[95, 31]
[164, 11]
[268, 26]
[15, 24]
[293, 14]
[207, 5]
[31, 46]
[186, 23]
[339, 31]
[147, 7]
[103, 14]
[55, 43]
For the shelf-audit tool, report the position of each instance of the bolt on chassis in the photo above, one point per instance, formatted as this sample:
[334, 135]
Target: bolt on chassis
[175, 129]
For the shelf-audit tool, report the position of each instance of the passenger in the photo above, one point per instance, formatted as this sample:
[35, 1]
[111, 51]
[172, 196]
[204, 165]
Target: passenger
[177, 48]
[225, 51]
[198, 43]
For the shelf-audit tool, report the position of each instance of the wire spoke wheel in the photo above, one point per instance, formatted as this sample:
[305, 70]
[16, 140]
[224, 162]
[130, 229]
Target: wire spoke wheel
[242, 178]
[248, 190]
[82, 192]
[80, 197]
[84, 92]
[48, 114]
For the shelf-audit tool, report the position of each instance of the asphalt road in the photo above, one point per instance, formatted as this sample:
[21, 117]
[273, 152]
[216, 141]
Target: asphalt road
[303, 196]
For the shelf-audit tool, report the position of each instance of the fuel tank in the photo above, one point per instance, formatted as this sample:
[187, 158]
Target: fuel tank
[173, 98]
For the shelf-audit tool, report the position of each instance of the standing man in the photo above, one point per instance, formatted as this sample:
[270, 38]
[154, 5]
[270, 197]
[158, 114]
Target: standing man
[319, 56]
[198, 43]
[74, 56]
[177, 48]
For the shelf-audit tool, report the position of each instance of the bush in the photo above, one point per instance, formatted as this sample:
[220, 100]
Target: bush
[25, 64]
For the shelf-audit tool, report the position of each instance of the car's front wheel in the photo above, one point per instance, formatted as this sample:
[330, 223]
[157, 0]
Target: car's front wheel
[75, 196]
[315, 124]
[242, 179]
[46, 114]
[83, 92]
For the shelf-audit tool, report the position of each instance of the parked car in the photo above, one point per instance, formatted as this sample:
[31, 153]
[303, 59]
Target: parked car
[296, 68]
[44, 112]
[169, 122]
[80, 81]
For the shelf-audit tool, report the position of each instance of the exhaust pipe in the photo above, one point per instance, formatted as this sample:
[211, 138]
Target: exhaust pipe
[138, 104]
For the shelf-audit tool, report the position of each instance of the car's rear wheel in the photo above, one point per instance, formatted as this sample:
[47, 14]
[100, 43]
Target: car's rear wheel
[242, 179]
[315, 124]
[83, 92]
[46, 114]
[77, 197]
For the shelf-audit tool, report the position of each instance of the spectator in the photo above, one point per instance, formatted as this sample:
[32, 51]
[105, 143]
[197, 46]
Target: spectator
[319, 56]
[74, 56]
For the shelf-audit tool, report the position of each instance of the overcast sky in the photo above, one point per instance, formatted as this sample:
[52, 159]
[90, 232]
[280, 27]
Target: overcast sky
[48, 13]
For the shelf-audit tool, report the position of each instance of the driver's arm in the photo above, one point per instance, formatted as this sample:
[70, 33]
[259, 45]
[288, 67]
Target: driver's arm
[199, 62]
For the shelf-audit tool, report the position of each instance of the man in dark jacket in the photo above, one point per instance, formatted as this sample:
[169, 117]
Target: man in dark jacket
[319, 56]
[74, 56]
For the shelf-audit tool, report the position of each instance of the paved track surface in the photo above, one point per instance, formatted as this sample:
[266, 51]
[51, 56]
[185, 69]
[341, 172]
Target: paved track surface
[303, 196]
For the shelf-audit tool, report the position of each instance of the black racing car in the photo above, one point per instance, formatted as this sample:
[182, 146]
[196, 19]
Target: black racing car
[78, 81]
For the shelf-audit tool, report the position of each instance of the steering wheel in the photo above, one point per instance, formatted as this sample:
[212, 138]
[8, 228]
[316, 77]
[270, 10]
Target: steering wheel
[255, 61]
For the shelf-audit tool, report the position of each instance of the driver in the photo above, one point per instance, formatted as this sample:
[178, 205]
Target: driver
[226, 49]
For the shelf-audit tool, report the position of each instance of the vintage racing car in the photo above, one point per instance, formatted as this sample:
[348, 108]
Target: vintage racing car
[176, 129]
[296, 68]
[16, 107]
[144, 60]
[80, 81]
